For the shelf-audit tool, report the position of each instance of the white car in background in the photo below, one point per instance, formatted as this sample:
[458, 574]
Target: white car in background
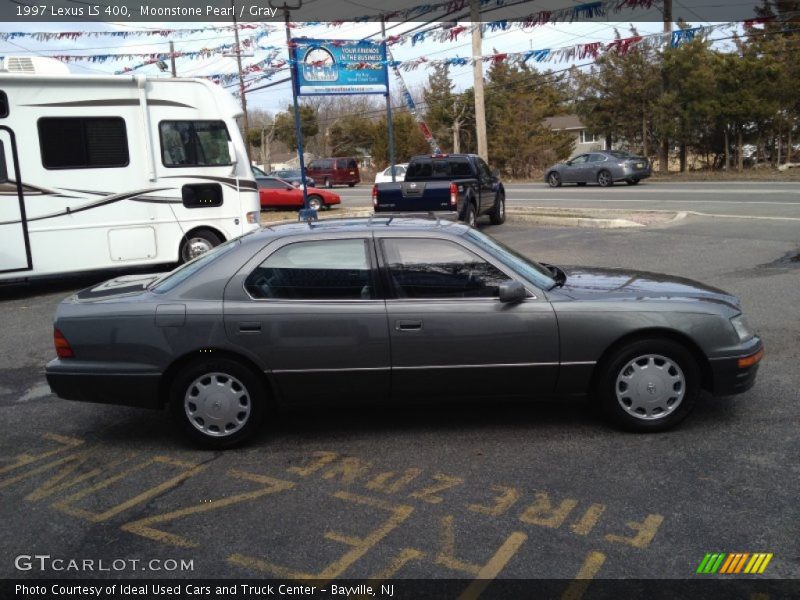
[385, 176]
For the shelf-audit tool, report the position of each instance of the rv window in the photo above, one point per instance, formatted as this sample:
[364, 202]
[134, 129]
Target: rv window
[194, 144]
[83, 142]
[3, 105]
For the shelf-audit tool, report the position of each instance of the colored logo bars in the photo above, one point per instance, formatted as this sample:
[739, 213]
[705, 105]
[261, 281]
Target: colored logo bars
[734, 563]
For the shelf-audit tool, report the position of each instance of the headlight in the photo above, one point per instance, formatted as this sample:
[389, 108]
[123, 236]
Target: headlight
[742, 328]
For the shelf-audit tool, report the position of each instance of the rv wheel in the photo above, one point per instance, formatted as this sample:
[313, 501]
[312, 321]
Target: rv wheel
[197, 243]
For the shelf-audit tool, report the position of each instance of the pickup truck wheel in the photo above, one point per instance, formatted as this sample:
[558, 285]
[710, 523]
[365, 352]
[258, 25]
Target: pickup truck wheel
[218, 403]
[649, 385]
[470, 218]
[554, 179]
[498, 214]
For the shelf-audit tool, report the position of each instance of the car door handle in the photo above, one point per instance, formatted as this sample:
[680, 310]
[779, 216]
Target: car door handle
[408, 325]
[250, 327]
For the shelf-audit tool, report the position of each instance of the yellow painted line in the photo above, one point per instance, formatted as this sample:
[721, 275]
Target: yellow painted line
[764, 564]
[382, 482]
[647, 530]
[589, 569]
[543, 513]
[322, 459]
[144, 527]
[405, 556]
[360, 546]
[61, 481]
[589, 519]
[447, 553]
[347, 470]
[22, 460]
[493, 567]
[66, 505]
[506, 498]
[429, 494]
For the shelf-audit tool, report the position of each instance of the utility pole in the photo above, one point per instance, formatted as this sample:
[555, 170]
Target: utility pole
[389, 118]
[245, 122]
[477, 75]
[172, 58]
[663, 151]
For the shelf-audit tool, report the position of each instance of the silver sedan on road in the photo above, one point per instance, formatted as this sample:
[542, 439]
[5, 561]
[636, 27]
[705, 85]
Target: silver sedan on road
[603, 168]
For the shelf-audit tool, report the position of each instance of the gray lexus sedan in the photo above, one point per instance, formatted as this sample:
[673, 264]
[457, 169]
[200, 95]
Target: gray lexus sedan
[401, 309]
[602, 167]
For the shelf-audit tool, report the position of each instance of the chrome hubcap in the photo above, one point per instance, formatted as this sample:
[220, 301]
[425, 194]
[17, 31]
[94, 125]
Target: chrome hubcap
[195, 247]
[217, 404]
[650, 387]
[314, 203]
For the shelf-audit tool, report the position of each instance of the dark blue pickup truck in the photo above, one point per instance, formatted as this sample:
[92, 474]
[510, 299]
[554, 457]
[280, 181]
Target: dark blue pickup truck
[461, 184]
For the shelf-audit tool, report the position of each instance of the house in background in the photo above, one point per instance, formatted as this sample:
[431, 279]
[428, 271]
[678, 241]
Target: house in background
[584, 141]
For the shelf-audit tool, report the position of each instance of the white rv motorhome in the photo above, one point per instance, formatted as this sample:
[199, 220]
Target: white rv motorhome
[110, 171]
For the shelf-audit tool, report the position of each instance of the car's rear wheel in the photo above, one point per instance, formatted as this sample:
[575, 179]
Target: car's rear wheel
[498, 214]
[604, 178]
[327, 183]
[316, 202]
[632, 181]
[554, 180]
[649, 385]
[470, 217]
[217, 403]
[197, 243]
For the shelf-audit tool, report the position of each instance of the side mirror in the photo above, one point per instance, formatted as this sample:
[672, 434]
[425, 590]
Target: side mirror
[512, 291]
[232, 153]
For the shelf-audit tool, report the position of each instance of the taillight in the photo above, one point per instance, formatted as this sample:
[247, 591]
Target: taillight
[453, 194]
[63, 349]
[375, 196]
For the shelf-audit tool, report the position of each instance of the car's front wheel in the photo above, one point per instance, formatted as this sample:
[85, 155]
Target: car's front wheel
[554, 180]
[649, 385]
[217, 403]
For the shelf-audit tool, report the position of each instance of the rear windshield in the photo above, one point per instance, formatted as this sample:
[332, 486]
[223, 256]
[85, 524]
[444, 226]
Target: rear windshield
[186, 270]
[439, 168]
[620, 154]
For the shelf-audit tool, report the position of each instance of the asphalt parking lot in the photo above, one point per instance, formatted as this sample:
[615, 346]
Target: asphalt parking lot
[471, 492]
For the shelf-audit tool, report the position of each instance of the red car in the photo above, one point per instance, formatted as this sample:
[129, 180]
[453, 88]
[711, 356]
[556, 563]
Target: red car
[278, 193]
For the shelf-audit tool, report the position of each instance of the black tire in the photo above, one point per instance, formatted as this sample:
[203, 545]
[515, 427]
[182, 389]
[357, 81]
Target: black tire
[316, 202]
[190, 380]
[605, 179]
[677, 372]
[498, 214]
[553, 179]
[632, 181]
[470, 217]
[327, 183]
[192, 244]
[581, 184]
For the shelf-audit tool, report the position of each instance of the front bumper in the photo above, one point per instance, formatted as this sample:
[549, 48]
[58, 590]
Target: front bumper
[116, 383]
[736, 374]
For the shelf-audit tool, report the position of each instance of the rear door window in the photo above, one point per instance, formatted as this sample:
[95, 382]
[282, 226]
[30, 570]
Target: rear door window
[314, 270]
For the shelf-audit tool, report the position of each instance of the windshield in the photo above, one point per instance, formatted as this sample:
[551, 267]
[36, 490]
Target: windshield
[186, 270]
[531, 270]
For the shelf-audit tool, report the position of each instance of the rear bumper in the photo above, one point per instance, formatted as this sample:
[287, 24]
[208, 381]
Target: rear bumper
[123, 384]
[633, 173]
[737, 374]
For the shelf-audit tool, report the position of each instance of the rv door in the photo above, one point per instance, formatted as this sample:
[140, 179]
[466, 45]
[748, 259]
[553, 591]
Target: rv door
[15, 252]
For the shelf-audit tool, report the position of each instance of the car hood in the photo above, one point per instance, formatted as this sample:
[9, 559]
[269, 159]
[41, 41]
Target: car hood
[592, 283]
[126, 285]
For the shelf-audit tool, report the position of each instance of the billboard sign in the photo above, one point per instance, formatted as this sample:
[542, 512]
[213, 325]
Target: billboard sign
[331, 67]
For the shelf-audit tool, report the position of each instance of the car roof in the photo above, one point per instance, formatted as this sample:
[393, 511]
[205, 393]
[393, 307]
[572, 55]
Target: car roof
[354, 225]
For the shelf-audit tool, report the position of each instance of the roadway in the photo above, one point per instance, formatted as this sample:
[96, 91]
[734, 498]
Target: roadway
[723, 199]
